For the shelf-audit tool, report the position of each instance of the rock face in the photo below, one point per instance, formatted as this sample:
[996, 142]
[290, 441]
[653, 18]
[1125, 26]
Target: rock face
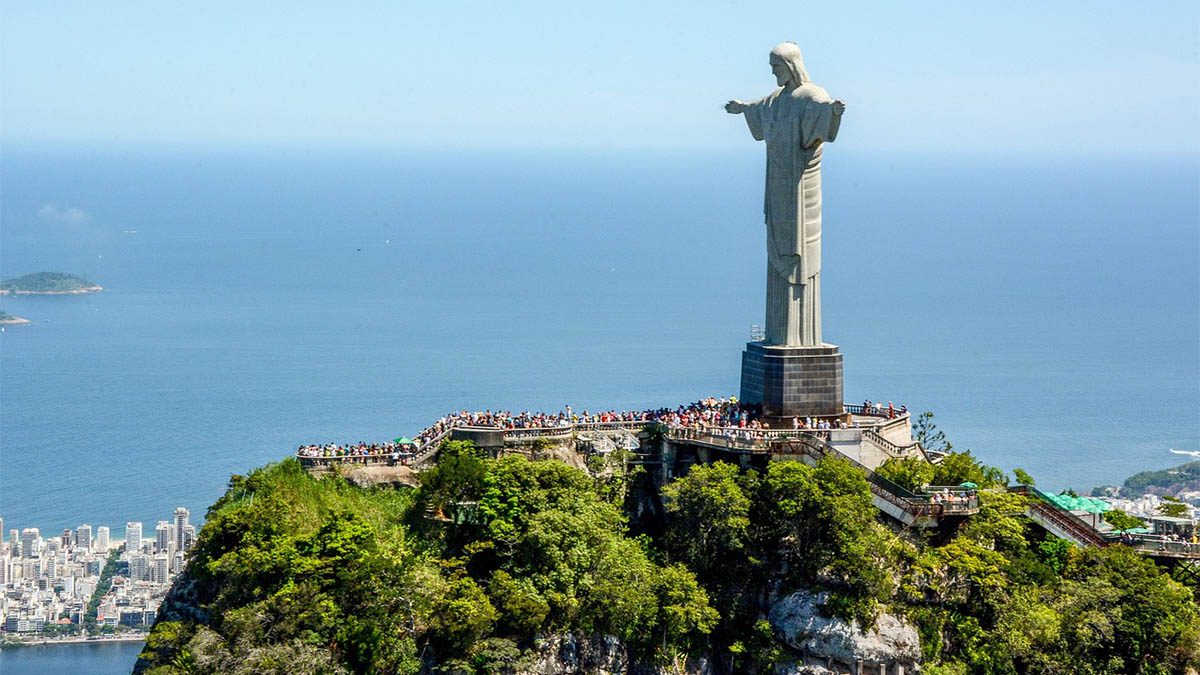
[389, 476]
[830, 645]
[596, 655]
[575, 654]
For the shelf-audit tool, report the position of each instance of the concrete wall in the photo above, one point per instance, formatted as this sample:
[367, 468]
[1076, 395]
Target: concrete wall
[898, 431]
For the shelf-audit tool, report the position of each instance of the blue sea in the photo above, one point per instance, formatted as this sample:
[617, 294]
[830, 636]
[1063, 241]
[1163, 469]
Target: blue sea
[1046, 309]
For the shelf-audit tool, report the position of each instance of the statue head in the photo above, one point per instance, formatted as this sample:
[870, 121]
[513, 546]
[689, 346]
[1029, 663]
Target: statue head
[788, 65]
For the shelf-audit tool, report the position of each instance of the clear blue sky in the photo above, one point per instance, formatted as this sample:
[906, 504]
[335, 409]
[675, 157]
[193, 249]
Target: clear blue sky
[1092, 77]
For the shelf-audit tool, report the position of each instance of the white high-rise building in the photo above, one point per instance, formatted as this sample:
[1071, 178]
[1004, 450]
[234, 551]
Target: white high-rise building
[189, 536]
[1, 535]
[29, 541]
[139, 567]
[5, 571]
[162, 537]
[67, 537]
[181, 525]
[161, 571]
[83, 538]
[177, 562]
[102, 539]
[51, 567]
[133, 537]
[14, 541]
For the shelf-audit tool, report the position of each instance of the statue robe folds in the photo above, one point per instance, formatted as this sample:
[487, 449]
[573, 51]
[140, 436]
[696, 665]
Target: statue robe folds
[794, 121]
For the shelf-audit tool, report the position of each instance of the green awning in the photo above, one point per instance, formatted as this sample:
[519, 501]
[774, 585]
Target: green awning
[1089, 504]
[969, 485]
[403, 440]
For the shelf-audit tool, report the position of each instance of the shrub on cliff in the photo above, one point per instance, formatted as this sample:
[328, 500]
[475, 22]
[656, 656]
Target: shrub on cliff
[367, 581]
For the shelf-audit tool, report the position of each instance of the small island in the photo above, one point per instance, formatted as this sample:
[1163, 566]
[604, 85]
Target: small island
[48, 283]
[7, 319]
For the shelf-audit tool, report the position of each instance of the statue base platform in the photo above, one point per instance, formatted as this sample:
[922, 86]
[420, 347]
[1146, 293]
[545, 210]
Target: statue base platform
[789, 381]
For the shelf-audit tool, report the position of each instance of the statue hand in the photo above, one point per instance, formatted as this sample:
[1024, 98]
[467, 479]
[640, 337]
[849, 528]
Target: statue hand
[735, 107]
[839, 107]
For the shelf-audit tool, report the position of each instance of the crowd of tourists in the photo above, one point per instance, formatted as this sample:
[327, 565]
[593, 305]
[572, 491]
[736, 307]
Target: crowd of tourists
[360, 449]
[878, 409]
[706, 412]
[953, 497]
[724, 416]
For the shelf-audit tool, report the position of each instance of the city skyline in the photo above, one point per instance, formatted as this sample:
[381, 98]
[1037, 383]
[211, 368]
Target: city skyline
[49, 586]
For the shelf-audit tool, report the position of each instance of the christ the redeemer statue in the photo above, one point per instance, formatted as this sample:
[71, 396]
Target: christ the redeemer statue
[795, 120]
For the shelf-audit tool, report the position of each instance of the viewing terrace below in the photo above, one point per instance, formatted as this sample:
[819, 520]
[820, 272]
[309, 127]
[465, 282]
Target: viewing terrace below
[874, 424]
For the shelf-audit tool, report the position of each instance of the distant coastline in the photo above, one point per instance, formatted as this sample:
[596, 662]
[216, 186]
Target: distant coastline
[48, 283]
[7, 319]
[18, 643]
[78, 291]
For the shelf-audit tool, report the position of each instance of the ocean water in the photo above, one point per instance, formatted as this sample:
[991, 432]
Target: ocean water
[71, 659]
[1047, 310]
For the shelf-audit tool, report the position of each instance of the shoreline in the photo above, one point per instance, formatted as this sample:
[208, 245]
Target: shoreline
[77, 291]
[50, 642]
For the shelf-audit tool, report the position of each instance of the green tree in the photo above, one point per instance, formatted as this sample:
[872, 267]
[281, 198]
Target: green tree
[1056, 553]
[817, 525]
[709, 519]
[461, 616]
[961, 467]
[1119, 610]
[1023, 478]
[928, 435]
[910, 472]
[456, 482]
[1172, 507]
[1123, 521]
[684, 614]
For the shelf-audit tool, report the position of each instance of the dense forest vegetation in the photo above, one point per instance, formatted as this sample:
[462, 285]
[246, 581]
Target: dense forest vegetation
[1171, 480]
[295, 574]
[46, 282]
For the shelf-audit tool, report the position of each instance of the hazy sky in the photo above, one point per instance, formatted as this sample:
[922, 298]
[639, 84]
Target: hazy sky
[1093, 77]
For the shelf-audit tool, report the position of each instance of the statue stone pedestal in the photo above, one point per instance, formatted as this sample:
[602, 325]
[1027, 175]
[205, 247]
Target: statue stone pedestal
[791, 381]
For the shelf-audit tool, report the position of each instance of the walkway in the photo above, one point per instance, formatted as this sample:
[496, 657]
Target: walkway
[1063, 524]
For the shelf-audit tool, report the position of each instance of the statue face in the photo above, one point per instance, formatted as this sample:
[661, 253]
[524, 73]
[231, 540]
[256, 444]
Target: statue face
[782, 74]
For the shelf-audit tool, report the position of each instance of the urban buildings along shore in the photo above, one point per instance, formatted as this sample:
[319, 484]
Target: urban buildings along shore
[49, 582]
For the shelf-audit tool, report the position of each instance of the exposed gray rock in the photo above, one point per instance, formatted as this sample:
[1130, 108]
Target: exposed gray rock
[574, 654]
[798, 623]
[389, 476]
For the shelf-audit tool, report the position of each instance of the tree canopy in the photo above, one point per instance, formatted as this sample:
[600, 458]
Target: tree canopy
[297, 574]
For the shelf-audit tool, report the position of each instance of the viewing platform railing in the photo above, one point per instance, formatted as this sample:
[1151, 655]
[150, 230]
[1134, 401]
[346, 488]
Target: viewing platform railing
[734, 438]
[528, 433]
[1153, 544]
[635, 426]
[954, 499]
[872, 411]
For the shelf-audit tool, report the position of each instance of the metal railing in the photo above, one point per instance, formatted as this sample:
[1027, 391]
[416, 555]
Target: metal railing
[637, 425]
[872, 411]
[326, 461]
[954, 499]
[527, 433]
[1159, 545]
[734, 438]
[1043, 506]
[893, 493]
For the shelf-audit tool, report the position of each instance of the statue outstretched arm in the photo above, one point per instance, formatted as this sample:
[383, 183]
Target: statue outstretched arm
[753, 117]
[835, 122]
